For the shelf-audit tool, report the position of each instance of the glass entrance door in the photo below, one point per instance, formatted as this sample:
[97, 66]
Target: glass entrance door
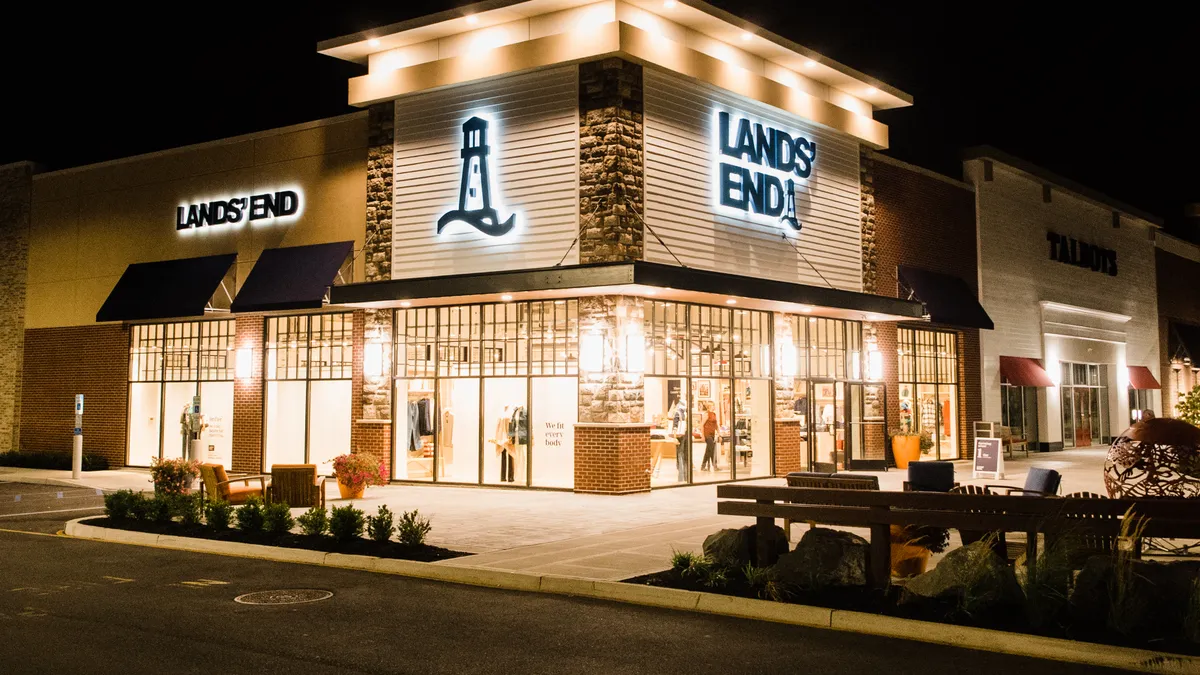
[827, 432]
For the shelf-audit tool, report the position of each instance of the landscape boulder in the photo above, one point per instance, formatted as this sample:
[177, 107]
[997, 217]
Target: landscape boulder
[736, 547]
[1151, 599]
[825, 558]
[972, 578]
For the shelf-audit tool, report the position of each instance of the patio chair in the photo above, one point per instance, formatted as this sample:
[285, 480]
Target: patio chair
[930, 477]
[1038, 483]
[216, 484]
[1000, 545]
[297, 485]
[1083, 546]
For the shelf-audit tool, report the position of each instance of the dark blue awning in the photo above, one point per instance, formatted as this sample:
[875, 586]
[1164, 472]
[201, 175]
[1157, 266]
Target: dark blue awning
[947, 298]
[165, 289]
[292, 278]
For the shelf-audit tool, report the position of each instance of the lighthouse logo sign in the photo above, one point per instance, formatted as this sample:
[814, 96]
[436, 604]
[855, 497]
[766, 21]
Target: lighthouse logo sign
[475, 189]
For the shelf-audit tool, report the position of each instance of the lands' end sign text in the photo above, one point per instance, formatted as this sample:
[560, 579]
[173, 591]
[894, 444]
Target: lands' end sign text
[266, 206]
[757, 167]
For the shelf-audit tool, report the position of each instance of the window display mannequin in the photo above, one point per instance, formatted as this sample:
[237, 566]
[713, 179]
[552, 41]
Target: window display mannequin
[511, 439]
[709, 429]
[679, 431]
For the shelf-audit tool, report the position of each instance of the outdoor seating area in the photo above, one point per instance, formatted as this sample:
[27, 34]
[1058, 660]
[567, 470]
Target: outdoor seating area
[297, 485]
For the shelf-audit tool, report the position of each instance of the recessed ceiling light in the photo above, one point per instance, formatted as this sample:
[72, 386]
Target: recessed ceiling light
[405, 303]
[810, 64]
[746, 37]
[506, 297]
[668, 4]
[651, 292]
[731, 301]
[472, 19]
[871, 91]
[806, 309]
[373, 42]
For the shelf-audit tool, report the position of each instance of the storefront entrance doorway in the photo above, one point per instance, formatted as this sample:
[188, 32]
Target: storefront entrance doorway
[1084, 404]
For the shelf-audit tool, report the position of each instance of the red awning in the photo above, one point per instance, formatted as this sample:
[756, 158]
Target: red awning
[1024, 372]
[1140, 377]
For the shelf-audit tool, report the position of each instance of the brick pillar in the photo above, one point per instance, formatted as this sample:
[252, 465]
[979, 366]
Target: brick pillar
[248, 398]
[612, 459]
[789, 451]
[16, 187]
[371, 431]
[970, 389]
[611, 161]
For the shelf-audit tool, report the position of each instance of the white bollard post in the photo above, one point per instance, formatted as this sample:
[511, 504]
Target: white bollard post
[77, 456]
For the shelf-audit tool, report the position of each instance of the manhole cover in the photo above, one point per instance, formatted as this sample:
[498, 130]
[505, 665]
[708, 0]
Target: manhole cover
[284, 597]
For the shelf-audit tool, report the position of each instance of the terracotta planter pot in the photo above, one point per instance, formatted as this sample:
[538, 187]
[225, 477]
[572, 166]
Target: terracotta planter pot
[348, 492]
[908, 560]
[906, 449]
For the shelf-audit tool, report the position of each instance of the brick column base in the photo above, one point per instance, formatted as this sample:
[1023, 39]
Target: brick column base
[612, 459]
[373, 437]
[787, 447]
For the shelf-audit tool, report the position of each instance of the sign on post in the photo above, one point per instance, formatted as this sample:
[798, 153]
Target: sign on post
[989, 458]
[196, 404]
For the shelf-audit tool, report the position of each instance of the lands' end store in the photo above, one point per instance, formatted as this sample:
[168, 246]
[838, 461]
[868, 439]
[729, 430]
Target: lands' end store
[605, 248]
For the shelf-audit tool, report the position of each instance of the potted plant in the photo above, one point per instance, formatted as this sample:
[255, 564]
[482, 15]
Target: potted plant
[926, 443]
[355, 471]
[173, 476]
[906, 446]
[912, 546]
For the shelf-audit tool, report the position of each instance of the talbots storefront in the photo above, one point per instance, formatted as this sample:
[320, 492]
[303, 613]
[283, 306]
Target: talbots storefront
[604, 249]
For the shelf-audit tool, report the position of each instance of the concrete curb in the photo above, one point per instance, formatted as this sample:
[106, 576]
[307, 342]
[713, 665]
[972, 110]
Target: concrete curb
[982, 639]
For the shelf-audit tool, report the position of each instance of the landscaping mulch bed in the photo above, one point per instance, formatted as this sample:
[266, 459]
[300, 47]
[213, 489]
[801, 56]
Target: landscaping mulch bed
[327, 544]
[887, 603]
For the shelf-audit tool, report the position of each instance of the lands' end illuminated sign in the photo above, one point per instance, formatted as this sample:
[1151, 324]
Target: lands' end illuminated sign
[265, 206]
[757, 166]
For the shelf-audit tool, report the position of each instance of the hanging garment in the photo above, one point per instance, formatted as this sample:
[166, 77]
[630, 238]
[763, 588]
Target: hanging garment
[425, 417]
[929, 414]
[414, 435]
[800, 405]
[447, 428]
[946, 417]
[518, 430]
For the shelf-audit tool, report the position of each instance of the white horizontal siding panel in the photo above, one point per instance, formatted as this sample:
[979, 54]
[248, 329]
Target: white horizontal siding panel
[680, 209]
[534, 163]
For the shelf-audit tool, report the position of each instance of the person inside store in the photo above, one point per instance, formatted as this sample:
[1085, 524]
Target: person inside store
[710, 441]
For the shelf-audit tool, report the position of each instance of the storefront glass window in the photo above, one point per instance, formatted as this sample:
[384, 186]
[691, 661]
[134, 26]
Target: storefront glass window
[308, 389]
[928, 378]
[468, 407]
[169, 364]
[1018, 411]
[1084, 404]
[666, 406]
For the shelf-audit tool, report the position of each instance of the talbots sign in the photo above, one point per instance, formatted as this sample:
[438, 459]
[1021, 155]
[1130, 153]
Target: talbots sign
[251, 208]
[1088, 256]
[757, 168]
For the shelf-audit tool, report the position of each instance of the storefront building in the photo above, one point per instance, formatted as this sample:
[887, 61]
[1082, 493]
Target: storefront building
[1178, 266]
[1068, 275]
[608, 248]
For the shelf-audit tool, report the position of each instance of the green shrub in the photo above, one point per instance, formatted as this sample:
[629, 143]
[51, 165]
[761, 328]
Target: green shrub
[188, 508]
[250, 515]
[50, 460]
[764, 584]
[161, 508]
[218, 513]
[346, 522]
[277, 518]
[412, 528]
[141, 508]
[314, 521]
[381, 525]
[119, 505]
[691, 565]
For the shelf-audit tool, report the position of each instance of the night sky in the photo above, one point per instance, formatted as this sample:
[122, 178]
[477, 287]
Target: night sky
[1109, 98]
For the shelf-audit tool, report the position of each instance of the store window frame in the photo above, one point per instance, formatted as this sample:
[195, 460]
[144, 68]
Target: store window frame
[1096, 391]
[298, 359]
[1139, 401]
[1021, 419]
[488, 350]
[937, 368]
[159, 353]
[686, 333]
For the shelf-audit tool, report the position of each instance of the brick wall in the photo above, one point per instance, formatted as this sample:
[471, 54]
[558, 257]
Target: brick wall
[611, 161]
[248, 398]
[62, 362]
[16, 182]
[370, 435]
[788, 450]
[612, 459]
[925, 221]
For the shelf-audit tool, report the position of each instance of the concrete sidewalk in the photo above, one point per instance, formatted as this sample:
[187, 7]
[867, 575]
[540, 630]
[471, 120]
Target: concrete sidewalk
[592, 536]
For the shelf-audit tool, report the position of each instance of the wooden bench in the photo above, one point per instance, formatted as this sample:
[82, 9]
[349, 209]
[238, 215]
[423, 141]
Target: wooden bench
[1009, 442]
[878, 511]
[849, 481]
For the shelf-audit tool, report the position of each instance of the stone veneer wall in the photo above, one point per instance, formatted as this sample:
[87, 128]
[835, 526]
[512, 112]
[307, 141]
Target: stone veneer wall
[248, 399]
[611, 396]
[611, 161]
[16, 187]
[870, 254]
[612, 458]
[377, 249]
[61, 362]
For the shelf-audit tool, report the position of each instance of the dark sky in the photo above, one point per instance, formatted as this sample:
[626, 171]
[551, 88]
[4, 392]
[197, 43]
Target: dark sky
[1108, 98]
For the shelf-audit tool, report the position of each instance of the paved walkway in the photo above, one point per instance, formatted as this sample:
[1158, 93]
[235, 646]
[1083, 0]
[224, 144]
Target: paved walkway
[592, 536]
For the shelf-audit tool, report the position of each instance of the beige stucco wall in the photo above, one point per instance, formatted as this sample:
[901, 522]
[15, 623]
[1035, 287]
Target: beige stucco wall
[89, 223]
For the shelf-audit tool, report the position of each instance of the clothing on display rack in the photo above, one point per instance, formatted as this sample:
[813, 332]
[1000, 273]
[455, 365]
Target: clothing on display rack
[929, 414]
[946, 417]
[420, 423]
[425, 417]
[800, 405]
[511, 438]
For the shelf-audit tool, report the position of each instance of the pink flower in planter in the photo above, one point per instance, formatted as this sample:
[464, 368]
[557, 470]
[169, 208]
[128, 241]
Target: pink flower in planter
[358, 469]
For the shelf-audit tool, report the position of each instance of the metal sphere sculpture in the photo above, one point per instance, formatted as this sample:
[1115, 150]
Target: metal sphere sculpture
[1157, 457]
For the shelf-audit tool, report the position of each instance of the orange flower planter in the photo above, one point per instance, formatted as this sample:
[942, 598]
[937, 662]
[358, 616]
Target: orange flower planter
[348, 492]
[906, 449]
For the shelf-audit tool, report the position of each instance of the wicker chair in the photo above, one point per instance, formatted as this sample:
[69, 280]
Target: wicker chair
[216, 484]
[297, 485]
